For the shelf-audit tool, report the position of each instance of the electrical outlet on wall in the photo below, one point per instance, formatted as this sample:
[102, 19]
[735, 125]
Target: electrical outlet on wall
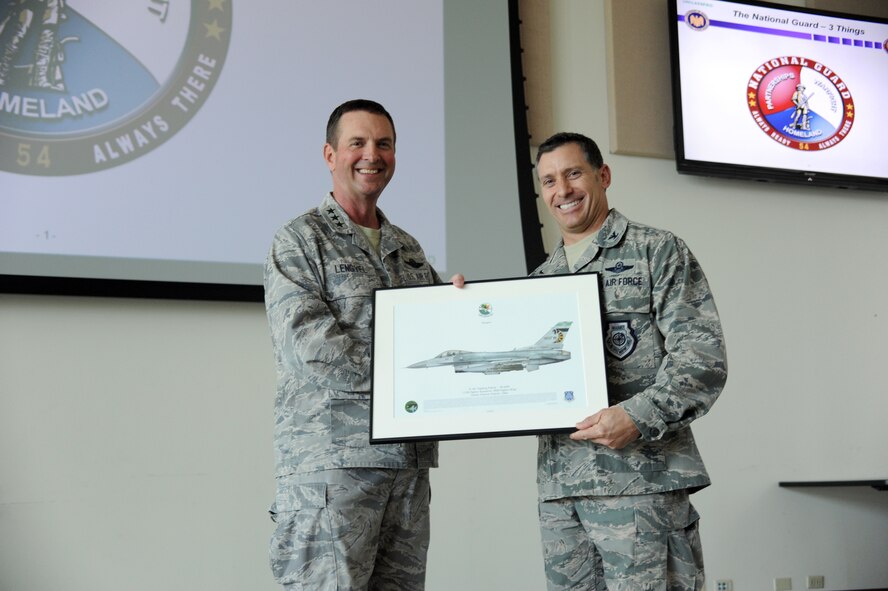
[724, 585]
[783, 584]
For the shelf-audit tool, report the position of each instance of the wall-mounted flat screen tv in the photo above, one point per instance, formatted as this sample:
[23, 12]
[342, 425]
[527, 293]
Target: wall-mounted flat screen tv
[772, 92]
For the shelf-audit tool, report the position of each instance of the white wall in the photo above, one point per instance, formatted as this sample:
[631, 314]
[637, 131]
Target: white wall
[135, 435]
[135, 444]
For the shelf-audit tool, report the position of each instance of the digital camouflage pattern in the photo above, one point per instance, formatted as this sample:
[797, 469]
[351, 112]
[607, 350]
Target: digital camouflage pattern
[641, 543]
[666, 365]
[319, 281]
[620, 520]
[328, 525]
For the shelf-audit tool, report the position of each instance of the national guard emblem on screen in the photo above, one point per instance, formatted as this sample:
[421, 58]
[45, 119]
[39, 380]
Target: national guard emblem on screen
[88, 85]
[696, 20]
[800, 103]
[620, 339]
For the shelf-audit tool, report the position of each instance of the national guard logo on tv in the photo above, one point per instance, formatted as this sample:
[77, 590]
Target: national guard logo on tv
[800, 103]
[696, 20]
[86, 85]
[620, 339]
[569, 395]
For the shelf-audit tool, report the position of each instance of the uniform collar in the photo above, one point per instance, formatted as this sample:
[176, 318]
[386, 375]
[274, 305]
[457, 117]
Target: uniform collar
[609, 235]
[339, 221]
[613, 230]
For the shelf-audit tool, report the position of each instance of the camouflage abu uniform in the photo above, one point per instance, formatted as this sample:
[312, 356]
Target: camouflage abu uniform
[666, 365]
[319, 281]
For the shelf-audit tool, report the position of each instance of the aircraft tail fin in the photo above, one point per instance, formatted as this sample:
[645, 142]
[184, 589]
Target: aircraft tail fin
[554, 337]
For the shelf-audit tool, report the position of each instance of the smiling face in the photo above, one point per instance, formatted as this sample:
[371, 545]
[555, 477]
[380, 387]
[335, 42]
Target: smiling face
[363, 159]
[574, 191]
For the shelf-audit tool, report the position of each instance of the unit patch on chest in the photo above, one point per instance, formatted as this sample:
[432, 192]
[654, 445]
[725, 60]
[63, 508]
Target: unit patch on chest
[620, 339]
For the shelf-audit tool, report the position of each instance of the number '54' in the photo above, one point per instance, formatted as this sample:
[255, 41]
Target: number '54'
[26, 156]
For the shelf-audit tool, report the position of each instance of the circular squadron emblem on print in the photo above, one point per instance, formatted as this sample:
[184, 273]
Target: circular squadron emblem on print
[86, 85]
[800, 103]
[412, 406]
[485, 309]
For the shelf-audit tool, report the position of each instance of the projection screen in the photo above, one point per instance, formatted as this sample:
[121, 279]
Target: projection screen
[152, 147]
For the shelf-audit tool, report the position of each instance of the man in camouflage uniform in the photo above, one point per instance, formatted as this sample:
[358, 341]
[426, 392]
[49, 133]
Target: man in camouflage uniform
[349, 515]
[614, 495]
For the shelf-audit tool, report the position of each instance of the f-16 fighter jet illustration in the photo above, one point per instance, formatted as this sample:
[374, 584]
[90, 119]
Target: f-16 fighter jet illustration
[549, 349]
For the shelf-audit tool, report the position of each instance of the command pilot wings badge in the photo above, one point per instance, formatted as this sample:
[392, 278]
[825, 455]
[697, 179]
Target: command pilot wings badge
[548, 349]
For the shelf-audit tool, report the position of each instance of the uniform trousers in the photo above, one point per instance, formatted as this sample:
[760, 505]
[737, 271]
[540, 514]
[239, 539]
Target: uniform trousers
[355, 529]
[622, 543]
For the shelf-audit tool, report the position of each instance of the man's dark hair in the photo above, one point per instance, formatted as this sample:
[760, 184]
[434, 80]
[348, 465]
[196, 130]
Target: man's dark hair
[348, 107]
[589, 147]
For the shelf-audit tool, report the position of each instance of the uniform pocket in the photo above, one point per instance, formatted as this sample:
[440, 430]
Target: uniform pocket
[668, 539]
[350, 422]
[301, 548]
[638, 456]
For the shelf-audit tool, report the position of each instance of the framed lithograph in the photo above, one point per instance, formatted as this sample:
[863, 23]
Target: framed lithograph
[495, 358]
